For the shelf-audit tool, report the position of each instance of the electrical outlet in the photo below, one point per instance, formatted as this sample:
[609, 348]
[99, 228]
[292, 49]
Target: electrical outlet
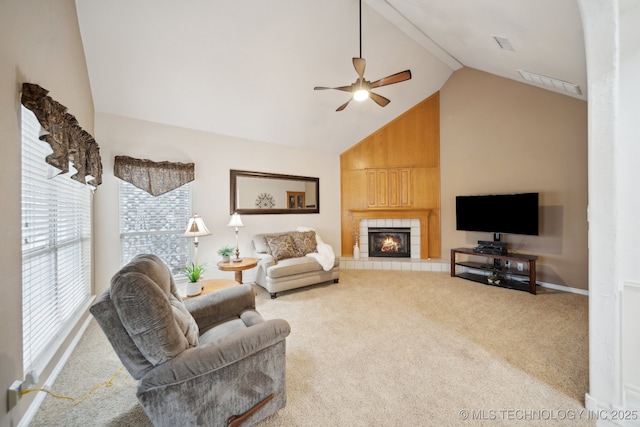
[520, 266]
[13, 394]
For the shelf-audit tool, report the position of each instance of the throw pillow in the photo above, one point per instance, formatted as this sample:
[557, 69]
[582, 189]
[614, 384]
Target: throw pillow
[305, 242]
[281, 246]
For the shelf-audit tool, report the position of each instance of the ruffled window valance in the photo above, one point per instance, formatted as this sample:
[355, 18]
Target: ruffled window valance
[153, 177]
[69, 142]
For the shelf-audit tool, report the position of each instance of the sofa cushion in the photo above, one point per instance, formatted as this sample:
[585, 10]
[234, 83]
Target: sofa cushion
[292, 266]
[280, 246]
[305, 242]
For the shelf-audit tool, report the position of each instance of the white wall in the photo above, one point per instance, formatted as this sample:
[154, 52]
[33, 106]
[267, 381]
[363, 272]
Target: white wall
[613, 64]
[213, 155]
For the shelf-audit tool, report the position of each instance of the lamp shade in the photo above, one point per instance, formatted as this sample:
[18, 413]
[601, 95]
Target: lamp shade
[235, 221]
[196, 227]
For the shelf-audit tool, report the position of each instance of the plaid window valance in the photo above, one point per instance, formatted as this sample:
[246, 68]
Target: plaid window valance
[153, 177]
[69, 142]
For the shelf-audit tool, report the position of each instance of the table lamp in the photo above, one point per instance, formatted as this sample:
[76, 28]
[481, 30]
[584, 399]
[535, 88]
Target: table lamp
[195, 229]
[236, 222]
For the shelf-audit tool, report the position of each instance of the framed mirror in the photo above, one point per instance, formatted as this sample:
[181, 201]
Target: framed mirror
[255, 193]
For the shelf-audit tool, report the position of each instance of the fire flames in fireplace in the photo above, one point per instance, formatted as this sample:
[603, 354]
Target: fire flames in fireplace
[390, 245]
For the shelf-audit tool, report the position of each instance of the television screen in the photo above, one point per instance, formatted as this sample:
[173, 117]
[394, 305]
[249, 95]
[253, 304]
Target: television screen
[498, 213]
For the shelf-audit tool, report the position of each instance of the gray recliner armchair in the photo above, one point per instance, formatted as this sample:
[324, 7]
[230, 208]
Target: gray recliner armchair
[206, 361]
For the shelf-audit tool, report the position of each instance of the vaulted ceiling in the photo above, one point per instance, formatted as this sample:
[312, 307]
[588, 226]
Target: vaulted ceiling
[248, 68]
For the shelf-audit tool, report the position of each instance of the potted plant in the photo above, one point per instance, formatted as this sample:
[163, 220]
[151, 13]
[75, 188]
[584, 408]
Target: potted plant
[194, 274]
[494, 278]
[225, 252]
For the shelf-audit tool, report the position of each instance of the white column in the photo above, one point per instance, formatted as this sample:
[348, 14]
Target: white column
[613, 65]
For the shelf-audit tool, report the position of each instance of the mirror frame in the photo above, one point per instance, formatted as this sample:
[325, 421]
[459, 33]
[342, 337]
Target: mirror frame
[233, 203]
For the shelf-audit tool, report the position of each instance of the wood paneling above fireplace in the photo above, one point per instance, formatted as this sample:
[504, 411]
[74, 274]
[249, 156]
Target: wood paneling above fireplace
[411, 144]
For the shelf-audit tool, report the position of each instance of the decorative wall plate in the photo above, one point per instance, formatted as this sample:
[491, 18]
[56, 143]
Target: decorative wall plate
[265, 200]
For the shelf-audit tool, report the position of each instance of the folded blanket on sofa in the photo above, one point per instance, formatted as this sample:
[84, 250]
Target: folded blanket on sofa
[325, 255]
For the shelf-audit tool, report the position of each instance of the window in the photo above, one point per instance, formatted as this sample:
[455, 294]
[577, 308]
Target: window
[56, 249]
[155, 224]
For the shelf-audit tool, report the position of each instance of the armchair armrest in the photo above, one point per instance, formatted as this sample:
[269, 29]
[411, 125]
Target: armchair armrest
[216, 307]
[206, 358]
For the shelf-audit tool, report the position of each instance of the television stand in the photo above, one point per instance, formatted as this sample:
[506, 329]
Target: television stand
[505, 276]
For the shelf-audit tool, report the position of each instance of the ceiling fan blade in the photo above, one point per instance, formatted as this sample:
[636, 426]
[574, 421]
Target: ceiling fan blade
[359, 64]
[394, 78]
[342, 88]
[343, 106]
[380, 100]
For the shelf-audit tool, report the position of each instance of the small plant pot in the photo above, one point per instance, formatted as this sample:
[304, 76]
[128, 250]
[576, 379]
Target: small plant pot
[193, 289]
[226, 258]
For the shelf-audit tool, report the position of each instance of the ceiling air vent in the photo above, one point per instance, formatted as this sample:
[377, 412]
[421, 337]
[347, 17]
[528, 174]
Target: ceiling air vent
[571, 88]
[504, 43]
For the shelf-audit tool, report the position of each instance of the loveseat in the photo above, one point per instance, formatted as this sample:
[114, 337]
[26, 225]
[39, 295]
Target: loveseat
[293, 259]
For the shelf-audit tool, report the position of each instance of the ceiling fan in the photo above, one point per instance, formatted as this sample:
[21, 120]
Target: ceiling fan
[361, 88]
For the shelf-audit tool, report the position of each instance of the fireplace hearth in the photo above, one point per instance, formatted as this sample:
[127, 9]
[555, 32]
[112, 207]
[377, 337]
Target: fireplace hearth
[393, 242]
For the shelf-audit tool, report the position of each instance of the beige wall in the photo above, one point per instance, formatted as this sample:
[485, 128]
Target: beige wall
[39, 43]
[501, 136]
[213, 155]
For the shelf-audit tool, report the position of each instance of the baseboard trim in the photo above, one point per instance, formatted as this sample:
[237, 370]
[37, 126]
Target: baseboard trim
[604, 412]
[563, 288]
[595, 407]
[632, 402]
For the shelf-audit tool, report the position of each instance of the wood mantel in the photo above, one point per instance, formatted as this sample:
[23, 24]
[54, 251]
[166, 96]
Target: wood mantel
[421, 214]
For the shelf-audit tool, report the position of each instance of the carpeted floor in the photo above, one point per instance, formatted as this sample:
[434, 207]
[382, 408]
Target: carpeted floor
[389, 348]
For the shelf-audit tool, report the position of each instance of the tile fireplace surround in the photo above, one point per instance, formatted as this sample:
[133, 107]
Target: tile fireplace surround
[410, 264]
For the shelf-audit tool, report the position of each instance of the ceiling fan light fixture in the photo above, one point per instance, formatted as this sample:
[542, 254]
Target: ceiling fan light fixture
[360, 94]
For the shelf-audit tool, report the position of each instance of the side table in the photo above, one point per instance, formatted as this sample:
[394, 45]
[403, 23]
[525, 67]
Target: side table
[213, 285]
[238, 267]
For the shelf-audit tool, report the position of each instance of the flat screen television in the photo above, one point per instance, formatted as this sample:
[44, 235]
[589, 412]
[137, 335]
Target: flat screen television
[498, 213]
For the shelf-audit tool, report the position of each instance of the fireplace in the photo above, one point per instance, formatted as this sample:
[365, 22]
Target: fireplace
[394, 242]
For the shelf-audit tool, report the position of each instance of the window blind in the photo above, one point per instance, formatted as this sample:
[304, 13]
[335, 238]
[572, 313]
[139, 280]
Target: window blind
[155, 224]
[56, 248]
